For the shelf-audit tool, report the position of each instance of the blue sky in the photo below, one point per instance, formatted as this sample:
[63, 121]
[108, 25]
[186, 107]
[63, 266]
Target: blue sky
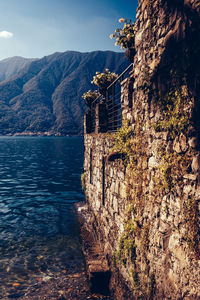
[34, 28]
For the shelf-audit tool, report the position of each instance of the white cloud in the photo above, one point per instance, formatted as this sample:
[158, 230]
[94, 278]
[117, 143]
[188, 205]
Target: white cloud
[5, 34]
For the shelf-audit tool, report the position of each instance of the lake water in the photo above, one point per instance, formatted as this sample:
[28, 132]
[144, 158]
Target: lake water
[39, 183]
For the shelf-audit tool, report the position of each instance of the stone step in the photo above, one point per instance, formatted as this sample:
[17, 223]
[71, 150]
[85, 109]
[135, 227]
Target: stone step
[96, 262]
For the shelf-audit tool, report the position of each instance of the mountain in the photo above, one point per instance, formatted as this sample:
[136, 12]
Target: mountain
[45, 96]
[11, 66]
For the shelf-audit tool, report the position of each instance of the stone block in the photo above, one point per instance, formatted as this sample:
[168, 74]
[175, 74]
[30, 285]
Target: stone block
[176, 249]
[119, 223]
[117, 186]
[187, 189]
[123, 192]
[112, 188]
[196, 163]
[145, 163]
[193, 142]
[111, 172]
[183, 142]
[121, 176]
[177, 221]
[164, 227]
[98, 186]
[152, 162]
[177, 146]
[115, 204]
[190, 177]
[98, 204]
[154, 64]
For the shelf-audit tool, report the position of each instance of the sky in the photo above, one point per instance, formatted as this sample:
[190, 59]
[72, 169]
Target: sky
[35, 28]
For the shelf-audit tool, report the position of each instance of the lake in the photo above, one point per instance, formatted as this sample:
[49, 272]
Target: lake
[39, 236]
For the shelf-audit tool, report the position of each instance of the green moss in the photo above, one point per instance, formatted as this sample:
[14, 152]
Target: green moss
[123, 142]
[173, 166]
[171, 169]
[127, 247]
[132, 145]
[175, 117]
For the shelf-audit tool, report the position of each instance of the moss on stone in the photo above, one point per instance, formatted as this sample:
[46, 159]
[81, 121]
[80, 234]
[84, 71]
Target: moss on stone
[175, 116]
[173, 166]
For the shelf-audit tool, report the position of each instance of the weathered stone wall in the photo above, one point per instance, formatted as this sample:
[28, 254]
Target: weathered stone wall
[146, 197]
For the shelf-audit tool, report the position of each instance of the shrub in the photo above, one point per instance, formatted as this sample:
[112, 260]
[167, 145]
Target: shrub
[125, 37]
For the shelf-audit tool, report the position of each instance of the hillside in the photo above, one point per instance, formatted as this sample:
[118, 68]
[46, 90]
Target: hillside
[45, 96]
[11, 66]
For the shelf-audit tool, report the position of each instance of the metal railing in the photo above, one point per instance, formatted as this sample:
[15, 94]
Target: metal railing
[113, 104]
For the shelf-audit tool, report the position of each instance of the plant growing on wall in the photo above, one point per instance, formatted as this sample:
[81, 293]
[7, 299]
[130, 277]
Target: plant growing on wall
[125, 37]
[177, 122]
[90, 96]
[103, 80]
[123, 142]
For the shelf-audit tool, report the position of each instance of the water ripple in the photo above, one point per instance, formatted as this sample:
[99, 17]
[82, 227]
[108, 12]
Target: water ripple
[39, 182]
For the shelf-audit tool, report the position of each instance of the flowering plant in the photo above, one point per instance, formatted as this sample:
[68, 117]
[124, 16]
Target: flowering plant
[125, 37]
[103, 80]
[90, 96]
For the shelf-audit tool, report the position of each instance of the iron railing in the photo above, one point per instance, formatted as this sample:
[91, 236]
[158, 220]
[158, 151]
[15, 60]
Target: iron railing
[113, 104]
[113, 101]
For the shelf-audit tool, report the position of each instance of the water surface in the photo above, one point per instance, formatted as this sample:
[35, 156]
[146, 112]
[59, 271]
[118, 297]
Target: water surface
[39, 183]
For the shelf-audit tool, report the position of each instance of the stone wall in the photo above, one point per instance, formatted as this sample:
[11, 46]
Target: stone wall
[145, 196]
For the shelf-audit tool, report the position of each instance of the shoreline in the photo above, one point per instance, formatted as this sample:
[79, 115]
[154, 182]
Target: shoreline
[40, 135]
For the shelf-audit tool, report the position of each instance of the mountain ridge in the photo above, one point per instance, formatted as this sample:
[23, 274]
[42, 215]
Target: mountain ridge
[45, 95]
[12, 65]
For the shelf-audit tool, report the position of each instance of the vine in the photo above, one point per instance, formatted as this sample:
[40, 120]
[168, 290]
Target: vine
[175, 116]
[173, 165]
[172, 168]
[123, 142]
[127, 245]
[130, 142]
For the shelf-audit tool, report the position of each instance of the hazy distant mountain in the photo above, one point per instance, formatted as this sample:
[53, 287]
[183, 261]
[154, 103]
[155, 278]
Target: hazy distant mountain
[11, 66]
[46, 94]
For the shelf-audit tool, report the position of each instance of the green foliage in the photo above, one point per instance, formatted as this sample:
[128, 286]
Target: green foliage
[174, 165]
[124, 142]
[176, 119]
[104, 79]
[125, 37]
[131, 143]
[127, 246]
[171, 168]
[90, 96]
